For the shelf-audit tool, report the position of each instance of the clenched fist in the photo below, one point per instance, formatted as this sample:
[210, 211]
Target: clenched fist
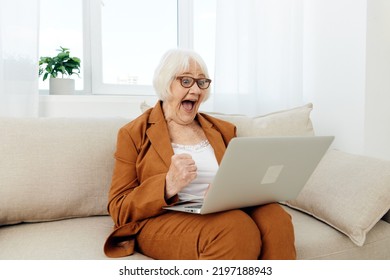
[182, 171]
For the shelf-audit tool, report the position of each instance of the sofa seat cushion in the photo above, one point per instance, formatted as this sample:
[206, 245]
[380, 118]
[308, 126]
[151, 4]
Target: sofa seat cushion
[82, 239]
[70, 239]
[317, 240]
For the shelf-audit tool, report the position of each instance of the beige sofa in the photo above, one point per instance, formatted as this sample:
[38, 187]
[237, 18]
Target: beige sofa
[55, 174]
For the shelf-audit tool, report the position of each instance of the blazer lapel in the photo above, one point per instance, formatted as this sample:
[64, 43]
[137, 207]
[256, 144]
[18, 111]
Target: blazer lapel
[158, 134]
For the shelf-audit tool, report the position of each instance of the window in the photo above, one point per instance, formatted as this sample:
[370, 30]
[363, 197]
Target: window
[132, 37]
[61, 25]
[120, 42]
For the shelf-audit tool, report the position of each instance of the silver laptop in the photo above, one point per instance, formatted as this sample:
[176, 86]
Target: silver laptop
[260, 170]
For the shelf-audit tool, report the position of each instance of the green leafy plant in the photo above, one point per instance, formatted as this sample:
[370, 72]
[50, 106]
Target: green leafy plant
[61, 63]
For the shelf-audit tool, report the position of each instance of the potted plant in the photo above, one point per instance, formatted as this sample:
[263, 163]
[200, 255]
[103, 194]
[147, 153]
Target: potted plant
[62, 64]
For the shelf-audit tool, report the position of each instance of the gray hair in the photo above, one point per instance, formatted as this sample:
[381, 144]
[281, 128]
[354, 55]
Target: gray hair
[173, 62]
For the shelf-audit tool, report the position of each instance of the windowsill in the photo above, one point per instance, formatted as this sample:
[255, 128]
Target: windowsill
[94, 97]
[82, 105]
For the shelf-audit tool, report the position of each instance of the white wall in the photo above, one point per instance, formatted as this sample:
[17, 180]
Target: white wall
[334, 69]
[377, 106]
[347, 72]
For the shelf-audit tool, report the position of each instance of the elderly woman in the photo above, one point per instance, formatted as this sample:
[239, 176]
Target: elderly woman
[171, 152]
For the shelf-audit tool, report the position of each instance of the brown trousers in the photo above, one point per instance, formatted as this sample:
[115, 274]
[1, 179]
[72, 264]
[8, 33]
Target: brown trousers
[263, 232]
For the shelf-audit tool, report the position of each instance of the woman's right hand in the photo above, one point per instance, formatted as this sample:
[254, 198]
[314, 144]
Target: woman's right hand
[182, 171]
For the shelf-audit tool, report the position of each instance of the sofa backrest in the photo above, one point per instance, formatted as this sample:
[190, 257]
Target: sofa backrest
[55, 168]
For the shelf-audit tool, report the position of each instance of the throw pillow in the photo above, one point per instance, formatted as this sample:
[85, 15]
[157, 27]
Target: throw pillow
[291, 122]
[349, 192]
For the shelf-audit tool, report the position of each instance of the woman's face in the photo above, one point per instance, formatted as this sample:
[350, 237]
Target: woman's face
[183, 103]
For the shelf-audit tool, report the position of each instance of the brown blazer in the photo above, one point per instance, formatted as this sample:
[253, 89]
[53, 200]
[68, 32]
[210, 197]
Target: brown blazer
[142, 160]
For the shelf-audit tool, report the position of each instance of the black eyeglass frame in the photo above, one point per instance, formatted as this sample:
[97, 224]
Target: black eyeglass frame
[197, 81]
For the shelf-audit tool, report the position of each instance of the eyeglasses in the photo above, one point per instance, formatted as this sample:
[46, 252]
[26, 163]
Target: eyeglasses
[188, 82]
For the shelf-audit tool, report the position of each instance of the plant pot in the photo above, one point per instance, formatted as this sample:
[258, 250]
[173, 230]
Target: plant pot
[61, 86]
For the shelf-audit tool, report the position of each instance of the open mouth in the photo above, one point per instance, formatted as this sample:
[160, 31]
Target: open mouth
[188, 105]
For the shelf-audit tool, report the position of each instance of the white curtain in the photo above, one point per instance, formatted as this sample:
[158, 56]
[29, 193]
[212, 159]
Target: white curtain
[258, 66]
[19, 58]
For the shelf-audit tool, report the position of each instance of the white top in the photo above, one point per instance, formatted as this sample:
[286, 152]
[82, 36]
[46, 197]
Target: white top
[207, 166]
